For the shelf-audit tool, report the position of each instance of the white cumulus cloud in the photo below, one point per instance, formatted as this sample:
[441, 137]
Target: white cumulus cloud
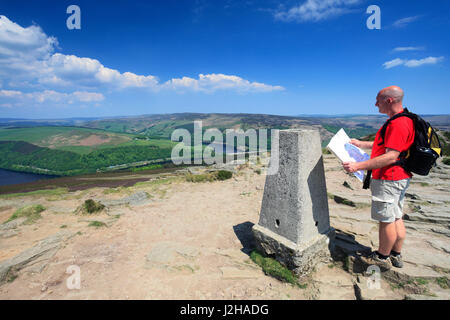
[393, 63]
[401, 49]
[29, 43]
[28, 60]
[400, 23]
[10, 93]
[411, 63]
[49, 96]
[316, 10]
[214, 82]
[90, 72]
[416, 63]
[84, 96]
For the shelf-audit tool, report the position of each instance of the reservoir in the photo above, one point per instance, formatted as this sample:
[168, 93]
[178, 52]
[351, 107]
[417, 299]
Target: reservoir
[8, 177]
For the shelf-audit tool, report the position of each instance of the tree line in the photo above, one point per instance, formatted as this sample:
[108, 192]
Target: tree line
[24, 156]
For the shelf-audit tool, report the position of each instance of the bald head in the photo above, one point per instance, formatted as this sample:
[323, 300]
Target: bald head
[389, 100]
[394, 92]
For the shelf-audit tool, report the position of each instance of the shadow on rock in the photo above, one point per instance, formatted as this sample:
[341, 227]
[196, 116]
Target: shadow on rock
[349, 250]
[244, 233]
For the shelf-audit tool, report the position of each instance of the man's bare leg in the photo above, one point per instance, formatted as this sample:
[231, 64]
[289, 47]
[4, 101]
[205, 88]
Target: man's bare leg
[401, 234]
[387, 237]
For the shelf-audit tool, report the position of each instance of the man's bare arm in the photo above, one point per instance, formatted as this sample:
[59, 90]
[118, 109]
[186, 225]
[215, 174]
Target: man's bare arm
[387, 159]
[362, 144]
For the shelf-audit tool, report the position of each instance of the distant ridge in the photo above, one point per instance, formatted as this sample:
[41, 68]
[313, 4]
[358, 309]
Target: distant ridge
[316, 115]
[156, 123]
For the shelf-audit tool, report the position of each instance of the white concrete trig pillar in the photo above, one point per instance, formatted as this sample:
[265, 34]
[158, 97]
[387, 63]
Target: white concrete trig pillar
[294, 223]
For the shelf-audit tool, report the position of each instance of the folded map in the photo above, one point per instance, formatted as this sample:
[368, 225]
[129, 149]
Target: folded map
[346, 152]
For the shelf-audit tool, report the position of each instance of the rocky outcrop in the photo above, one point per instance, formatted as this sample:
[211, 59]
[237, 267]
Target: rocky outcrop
[8, 230]
[33, 259]
[135, 199]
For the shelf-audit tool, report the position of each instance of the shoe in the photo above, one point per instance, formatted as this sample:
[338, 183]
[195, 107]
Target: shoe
[396, 261]
[373, 259]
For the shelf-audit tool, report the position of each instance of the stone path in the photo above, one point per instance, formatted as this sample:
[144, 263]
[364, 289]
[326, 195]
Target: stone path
[427, 219]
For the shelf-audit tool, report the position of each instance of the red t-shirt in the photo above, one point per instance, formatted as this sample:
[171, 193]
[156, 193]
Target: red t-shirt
[399, 136]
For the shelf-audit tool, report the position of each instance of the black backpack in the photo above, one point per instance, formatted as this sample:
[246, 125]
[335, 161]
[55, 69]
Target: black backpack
[424, 151]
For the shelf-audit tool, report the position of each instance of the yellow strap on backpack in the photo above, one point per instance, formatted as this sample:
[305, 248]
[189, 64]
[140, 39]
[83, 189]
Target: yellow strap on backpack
[433, 143]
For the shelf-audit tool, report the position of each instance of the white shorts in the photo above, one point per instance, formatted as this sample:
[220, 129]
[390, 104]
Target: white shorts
[387, 199]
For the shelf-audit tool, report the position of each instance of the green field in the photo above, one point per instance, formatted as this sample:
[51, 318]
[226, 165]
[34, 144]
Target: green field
[123, 143]
[23, 156]
[78, 140]
[37, 135]
[75, 150]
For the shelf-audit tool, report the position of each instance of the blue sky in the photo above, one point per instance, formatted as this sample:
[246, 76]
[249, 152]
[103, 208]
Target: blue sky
[274, 57]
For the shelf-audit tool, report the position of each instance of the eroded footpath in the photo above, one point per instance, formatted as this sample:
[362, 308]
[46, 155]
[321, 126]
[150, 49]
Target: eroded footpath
[172, 238]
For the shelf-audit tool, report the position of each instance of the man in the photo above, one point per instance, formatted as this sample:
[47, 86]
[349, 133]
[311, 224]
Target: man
[389, 181]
